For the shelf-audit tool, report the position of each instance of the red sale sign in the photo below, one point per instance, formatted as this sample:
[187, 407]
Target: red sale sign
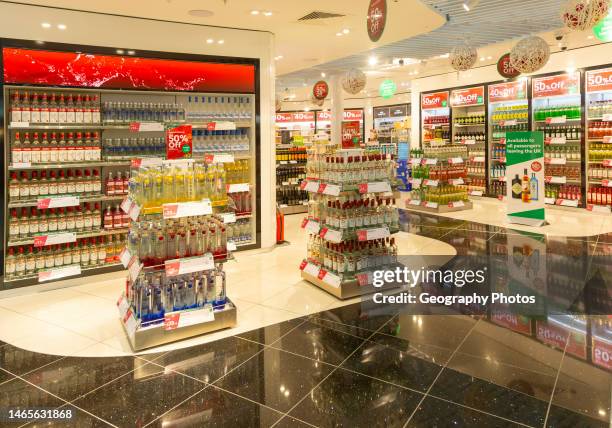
[179, 142]
[508, 91]
[467, 97]
[599, 80]
[351, 135]
[298, 116]
[435, 100]
[320, 90]
[550, 86]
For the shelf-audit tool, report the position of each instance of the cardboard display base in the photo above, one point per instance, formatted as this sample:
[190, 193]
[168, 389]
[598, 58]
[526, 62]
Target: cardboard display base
[294, 209]
[346, 290]
[148, 337]
[441, 208]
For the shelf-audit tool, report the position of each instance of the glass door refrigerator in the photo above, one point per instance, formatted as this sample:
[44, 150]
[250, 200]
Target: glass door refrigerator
[435, 119]
[598, 104]
[508, 111]
[469, 129]
[71, 138]
[556, 110]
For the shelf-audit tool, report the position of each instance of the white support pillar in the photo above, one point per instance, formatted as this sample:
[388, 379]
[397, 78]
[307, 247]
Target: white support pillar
[337, 109]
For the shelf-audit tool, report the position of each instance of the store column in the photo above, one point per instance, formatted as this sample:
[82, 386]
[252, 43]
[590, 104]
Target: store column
[337, 110]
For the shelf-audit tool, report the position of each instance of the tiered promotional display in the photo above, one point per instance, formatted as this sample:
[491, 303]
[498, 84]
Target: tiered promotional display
[508, 112]
[68, 153]
[175, 252]
[599, 140]
[469, 125]
[351, 218]
[557, 112]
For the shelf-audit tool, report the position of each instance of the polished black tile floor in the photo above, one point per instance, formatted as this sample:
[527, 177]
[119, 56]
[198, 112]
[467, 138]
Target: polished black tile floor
[358, 366]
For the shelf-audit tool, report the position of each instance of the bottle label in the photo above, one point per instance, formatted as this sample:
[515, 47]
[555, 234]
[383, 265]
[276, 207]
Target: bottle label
[62, 116]
[20, 266]
[10, 267]
[14, 191]
[24, 228]
[52, 225]
[53, 116]
[40, 262]
[26, 115]
[14, 229]
[44, 116]
[34, 226]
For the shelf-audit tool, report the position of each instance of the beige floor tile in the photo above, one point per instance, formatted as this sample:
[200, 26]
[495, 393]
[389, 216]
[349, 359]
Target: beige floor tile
[50, 339]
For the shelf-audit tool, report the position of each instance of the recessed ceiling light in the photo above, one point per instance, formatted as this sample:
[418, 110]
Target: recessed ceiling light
[45, 25]
[120, 51]
[322, 74]
[131, 52]
[267, 13]
[346, 31]
[338, 34]
[61, 26]
[209, 41]
[221, 42]
[201, 13]
[372, 60]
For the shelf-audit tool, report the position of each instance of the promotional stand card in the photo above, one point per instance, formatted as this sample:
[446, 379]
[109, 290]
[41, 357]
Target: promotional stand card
[525, 176]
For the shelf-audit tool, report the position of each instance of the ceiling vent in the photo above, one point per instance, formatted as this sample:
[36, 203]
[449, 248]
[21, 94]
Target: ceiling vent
[317, 14]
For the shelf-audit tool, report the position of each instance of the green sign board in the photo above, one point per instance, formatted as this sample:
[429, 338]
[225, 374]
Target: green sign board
[387, 88]
[525, 177]
[603, 30]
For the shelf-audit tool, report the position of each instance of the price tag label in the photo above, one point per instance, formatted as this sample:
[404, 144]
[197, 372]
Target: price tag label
[20, 124]
[330, 189]
[602, 352]
[293, 162]
[364, 278]
[433, 205]
[239, 187]
[142, 162]
[468, 142]
[555, 140]
[555, 161]
[130, 322]
[511, 122]
[604, 209]
[556, 120]
[477, 159]
[228, 217]
[175, 320]
[311, 269]
[431, 183]
[54, 239]
[312, 226]
[371, 234]
[456, 204]
[429, 161]
[126, 204]
[329, 278]
[375, 187]
[476, 192]
[189, 265]
[549, 201]
[413, 202]
[501, 179]
[456, 181]
[606, 183]
[455, 161]
[416, 182]
[21, 164]
[221, 126]
[567, 202]
[310, 186]
[125, 257]
[606, 162]
[219, 158]
[146, 127]
[62, 272]
[331, 235]
[187, 209]
[607, 139]
[58, 202]
[231, 246]
[501, 197]
[134, 211]
[415, 161]
[123, 305]
[606, 117]
[134, 268]
[555, 179]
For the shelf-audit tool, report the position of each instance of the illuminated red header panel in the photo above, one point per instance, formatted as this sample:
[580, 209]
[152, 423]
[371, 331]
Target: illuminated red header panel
[38, 67]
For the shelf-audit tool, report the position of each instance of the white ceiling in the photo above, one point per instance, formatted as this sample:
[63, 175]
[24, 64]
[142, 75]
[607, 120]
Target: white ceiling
[301, 44]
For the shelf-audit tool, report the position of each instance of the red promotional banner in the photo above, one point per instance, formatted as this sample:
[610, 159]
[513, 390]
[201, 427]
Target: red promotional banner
[39, 67]
[179, 142]
[347, 115]
[599, 80]
[563, 84]
[435, 100]
[602, 352]
[467, 97]
[513, 322]
[351, 134]
[508, 91]
[297, 116]
[377, 18]
[557, 336]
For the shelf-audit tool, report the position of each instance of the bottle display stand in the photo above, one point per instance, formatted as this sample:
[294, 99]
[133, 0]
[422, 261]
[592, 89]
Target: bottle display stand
[351, 219]
[176, 247]
[290, 171]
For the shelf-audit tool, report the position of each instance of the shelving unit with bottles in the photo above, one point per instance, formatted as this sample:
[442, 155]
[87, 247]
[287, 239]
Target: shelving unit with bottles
[351, 217]
[508, 112]
[68, 153]
[435, 119]
[177, 244]
[557, 111]
[438, 179]
[469, 129]
[598, 139]
[290, 171]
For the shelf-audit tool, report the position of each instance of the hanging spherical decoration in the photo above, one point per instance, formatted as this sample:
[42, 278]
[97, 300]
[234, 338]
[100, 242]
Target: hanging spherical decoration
[584, 14]
[463, 57]
[316, 102]
[530, 54]
[354, 81]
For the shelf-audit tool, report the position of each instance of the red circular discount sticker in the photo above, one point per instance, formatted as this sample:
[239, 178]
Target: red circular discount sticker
[505, 68]
[536, 166]
[320, 90]
[377, 18]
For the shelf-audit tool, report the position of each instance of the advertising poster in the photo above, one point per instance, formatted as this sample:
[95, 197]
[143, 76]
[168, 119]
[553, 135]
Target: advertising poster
[179, 142]
[351, 134]
[525, 174]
